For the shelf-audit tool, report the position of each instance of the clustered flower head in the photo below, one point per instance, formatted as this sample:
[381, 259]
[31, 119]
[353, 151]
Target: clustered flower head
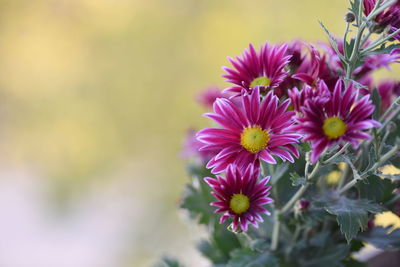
[281, 95]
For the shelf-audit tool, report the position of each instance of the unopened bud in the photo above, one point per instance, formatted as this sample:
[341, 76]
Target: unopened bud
[304, 204]
[349, 17]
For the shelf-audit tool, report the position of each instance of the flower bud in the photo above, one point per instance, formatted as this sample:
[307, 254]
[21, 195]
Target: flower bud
[304, 204]
[349, 17]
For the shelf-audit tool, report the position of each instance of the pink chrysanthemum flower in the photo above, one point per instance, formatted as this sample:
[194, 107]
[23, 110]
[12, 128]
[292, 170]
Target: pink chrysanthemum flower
[240, 196]
[255, 131]
[389, 17]
[191, 148]
[388, 91]
[320, 94]
[264, 69]
[340, 119]
[209, 95]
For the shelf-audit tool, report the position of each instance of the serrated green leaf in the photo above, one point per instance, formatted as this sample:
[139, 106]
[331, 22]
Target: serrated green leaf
[213, 254]
[168, 262]
[197, 199]
[383, 50]
[351, 214]
[382, 237]
[247, 258]
[297, 180]
[376, 188]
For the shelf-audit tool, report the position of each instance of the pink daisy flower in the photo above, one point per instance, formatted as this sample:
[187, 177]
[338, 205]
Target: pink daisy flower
[319, 94]
[257, 130]
[340, 119]
[240, 196]
[263, 69]
[208, 96]
[389, 17]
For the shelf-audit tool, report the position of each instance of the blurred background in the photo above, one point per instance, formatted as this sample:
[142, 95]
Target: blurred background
[95, 99]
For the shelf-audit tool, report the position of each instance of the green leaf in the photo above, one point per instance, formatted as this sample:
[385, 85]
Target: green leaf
[383, 50]
[351, 214]
[279, 172]
[381, 237]
[305, 146]
[376, 100]
[375, 188]
[196, 199]
[213, 254]
[330, 256]
[333, 42]
[168, 262]
[247, 258]
[297, 180]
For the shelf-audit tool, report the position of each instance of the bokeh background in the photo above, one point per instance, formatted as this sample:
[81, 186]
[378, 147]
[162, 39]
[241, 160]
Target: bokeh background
[95, 99]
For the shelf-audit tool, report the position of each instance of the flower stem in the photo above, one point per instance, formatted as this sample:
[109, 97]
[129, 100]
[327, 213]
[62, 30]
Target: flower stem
[382, 160]
[275, 231]
[302, 189]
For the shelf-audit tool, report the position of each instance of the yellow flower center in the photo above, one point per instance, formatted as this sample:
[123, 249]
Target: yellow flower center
[334, 127]
[254, 139]
[260, 81]
[239, 203]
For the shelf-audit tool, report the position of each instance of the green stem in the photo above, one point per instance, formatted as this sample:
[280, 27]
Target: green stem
[302, 189]
[337, 154]
[382, 160]
[275, 231]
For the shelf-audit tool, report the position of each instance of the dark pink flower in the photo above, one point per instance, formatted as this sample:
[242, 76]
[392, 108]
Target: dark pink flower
[240, 196]
[388, 91]
[311, 69]
[319, 94]
[256, 130]
[209, 95]
[263, 69]
[340, 119]
[191, 148]
[389, 17]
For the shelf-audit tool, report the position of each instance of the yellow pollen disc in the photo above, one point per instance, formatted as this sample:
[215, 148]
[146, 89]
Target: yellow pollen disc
[254, 139]
[334, 127]
[260, 81]
[239, 203]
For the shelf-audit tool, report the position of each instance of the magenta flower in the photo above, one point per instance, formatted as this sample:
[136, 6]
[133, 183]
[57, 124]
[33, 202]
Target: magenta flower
[264, 69]
[389, 17]
[240, 196]
[310, 70]
[340, 119]
[209, 95]
[320, 94]
[191, 148]
[388, 91]
[255, 131]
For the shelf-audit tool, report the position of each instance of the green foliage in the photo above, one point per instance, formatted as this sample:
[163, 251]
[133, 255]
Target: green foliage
[168, 262]
[248, 258]
[351, 214]
[376, 99]
[384, 49]
[297, 180]
[382, 237]
[375, 188]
